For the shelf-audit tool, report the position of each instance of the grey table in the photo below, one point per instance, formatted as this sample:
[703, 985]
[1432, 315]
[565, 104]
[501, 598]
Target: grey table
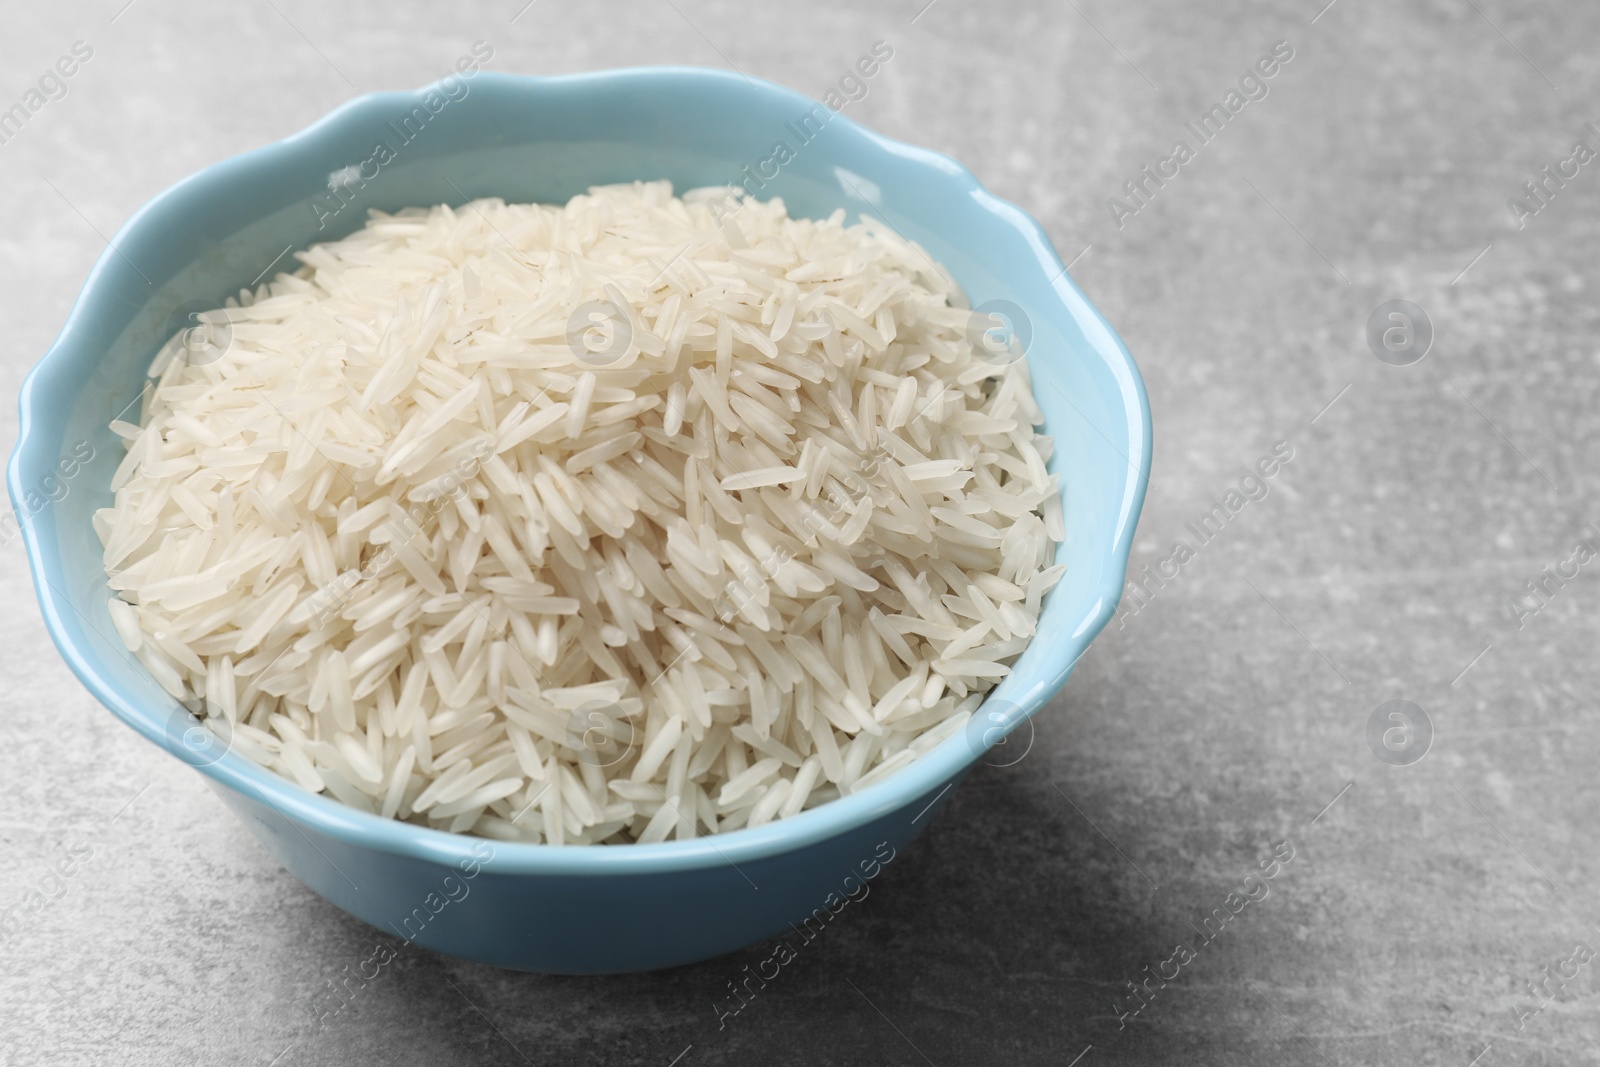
[1241, 700]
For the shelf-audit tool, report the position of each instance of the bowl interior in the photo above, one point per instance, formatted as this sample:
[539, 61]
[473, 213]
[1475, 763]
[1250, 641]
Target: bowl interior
[546, 140]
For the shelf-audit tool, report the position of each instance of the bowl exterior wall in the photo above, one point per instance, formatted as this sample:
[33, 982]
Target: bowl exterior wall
[588, 924]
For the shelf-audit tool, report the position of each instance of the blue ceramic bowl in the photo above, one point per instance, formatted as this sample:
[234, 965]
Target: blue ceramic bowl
[537, 907]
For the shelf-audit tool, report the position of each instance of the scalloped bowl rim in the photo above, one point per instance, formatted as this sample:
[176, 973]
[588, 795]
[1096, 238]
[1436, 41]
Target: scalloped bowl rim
[360, 829]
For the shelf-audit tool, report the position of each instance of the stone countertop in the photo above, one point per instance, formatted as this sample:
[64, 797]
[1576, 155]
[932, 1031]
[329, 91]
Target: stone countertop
[1233, 705]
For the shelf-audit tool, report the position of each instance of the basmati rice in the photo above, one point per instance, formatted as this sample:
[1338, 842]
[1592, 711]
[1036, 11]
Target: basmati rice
[636, 518]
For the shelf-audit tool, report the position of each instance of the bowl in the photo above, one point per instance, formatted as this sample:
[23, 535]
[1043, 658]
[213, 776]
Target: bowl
[574, 909]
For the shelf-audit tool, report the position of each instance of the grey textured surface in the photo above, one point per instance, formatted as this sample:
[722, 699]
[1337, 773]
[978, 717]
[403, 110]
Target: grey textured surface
[1225, 715]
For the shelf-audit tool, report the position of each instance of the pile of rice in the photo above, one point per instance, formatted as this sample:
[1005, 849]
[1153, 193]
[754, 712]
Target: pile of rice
[634, 518]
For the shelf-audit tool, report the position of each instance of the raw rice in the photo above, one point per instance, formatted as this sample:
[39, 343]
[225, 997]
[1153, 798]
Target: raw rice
[427, 536]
